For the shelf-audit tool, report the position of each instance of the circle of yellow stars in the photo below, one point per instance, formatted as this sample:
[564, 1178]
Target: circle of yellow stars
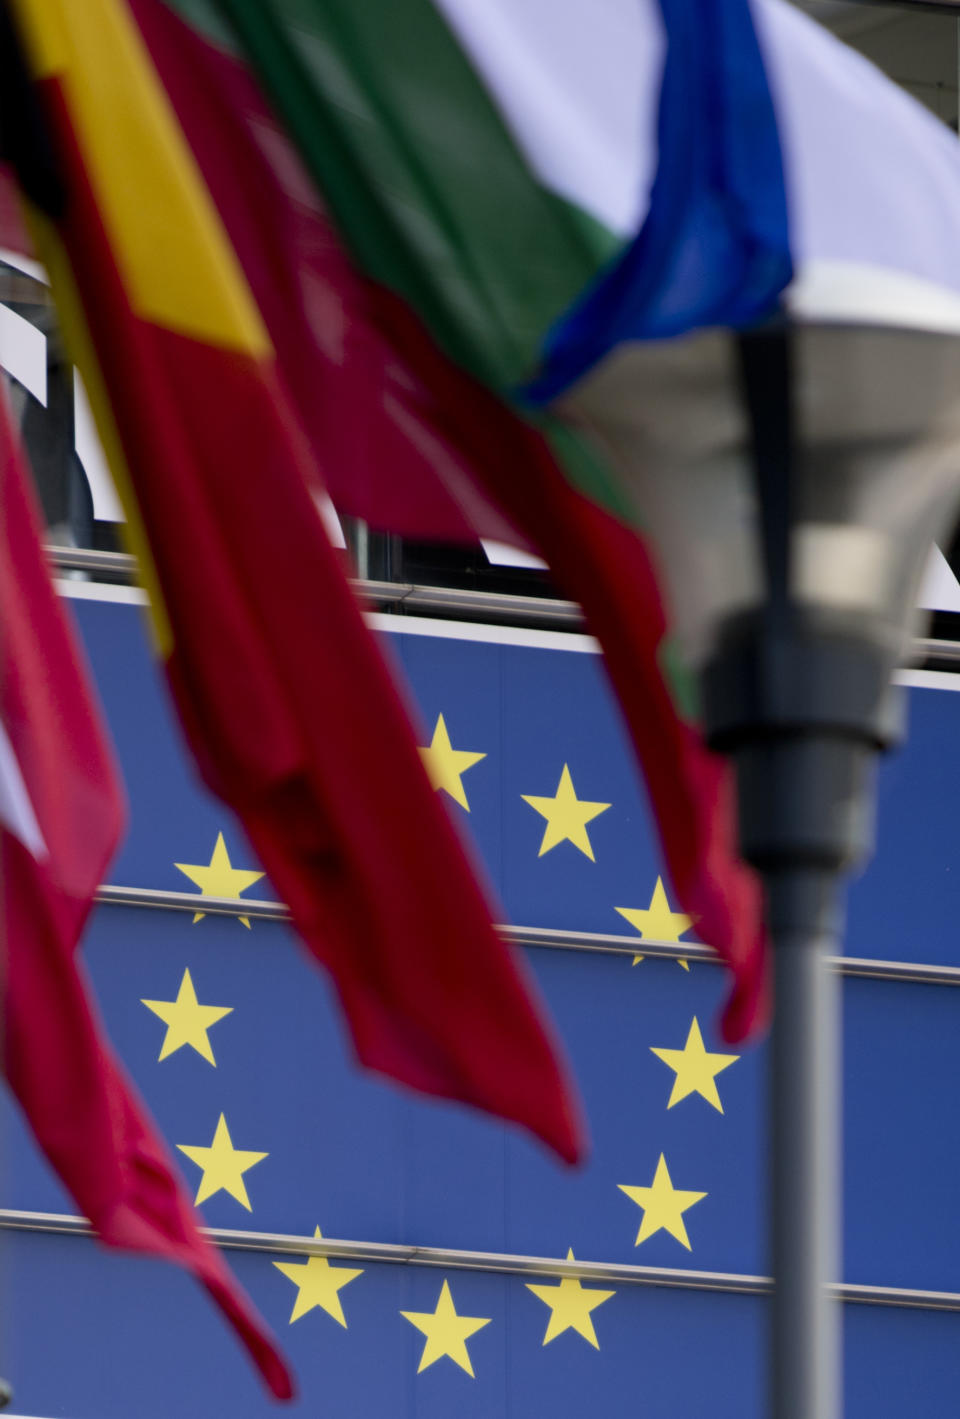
[318, 1281]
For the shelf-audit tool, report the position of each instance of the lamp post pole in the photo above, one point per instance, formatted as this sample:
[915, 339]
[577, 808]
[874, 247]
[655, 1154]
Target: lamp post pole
[805, 1129]
[798, 696]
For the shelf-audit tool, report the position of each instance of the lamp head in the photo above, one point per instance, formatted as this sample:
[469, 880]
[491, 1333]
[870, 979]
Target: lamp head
[792, 635]
[875, 474]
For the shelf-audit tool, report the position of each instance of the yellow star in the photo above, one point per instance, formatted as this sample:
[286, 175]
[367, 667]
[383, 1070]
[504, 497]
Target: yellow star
[317, 1284]
[187, 1021]
[657, 921]
[696, 1068]
[567, 816]
[219, 878]
[446, 765]
[446, 1332]
[570, 1305]
[223, 1166]
[663, 1206]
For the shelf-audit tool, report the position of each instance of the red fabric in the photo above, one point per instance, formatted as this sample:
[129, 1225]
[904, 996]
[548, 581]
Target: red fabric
[605, 567]
[395, 427]
[13, 233]
[83, 1111]
[376, 457]
[293, 718]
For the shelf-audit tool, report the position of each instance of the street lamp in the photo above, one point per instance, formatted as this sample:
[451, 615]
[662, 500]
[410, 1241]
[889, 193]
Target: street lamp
[792, 479]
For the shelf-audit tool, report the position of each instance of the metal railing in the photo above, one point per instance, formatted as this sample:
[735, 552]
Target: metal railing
[548, 938]
[504, 1263]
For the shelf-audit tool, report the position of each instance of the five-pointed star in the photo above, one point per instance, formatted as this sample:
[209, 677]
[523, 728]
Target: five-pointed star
[570, 1305]
[696, 1068]
[657, 921]
[567, 816]
[663, 1206]
[446, 765]
[446, 1332]
[223, 1166]
[187, 1021]
[219, 878]
[317, 1284]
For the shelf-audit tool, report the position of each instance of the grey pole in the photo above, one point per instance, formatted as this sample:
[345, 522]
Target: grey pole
[798, 695]
[805, 1136]
[804, 800]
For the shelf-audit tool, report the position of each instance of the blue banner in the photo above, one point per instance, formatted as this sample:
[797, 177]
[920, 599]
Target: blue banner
[233, 1037]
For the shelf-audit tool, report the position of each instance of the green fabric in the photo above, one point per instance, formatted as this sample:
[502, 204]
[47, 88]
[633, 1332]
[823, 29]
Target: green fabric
[427, 187]
[682, 682]
[206, 19]
[587, 470]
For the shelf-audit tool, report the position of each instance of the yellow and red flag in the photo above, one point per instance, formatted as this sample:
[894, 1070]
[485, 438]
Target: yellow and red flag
[291, 714]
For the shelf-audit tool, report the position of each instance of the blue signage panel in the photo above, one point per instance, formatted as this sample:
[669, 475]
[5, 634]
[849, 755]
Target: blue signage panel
[362, 1159]
[548, 754]
[100, 1337]
[906, 905]
[233, 1037]
[92, 1336]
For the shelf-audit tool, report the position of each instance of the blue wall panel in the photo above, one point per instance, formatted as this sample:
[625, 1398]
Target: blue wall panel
[531, 710]
[92, 1336]
[365, 1161]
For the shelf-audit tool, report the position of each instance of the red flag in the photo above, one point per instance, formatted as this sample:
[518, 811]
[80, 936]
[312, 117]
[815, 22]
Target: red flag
[291, 714]
[13, 234]
[381, 455]
[413, 445]
[61, 815]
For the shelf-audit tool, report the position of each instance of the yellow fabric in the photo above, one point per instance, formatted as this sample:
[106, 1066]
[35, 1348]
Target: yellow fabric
[177, 265]
[77, 338]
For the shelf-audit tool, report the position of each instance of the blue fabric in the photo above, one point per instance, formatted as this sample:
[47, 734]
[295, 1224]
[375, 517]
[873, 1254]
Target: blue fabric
[714, 249]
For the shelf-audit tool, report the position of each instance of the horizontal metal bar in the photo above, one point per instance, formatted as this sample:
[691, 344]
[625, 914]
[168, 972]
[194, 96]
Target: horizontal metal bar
[926, 648]
[504, 1263]
[191, 902]
[920, 973]
[88, 559]
[608, 944]
[491, 606]
[532, 936]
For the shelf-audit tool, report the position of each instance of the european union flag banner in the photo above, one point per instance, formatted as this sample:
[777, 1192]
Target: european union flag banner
[418, 1259]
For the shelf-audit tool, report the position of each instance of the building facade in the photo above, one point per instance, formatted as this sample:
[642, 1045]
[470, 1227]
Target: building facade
[414, 1259]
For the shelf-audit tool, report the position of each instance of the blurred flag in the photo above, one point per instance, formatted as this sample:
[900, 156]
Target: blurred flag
[407, 438]
[292, 717]
[533, 189]
[61, 815]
